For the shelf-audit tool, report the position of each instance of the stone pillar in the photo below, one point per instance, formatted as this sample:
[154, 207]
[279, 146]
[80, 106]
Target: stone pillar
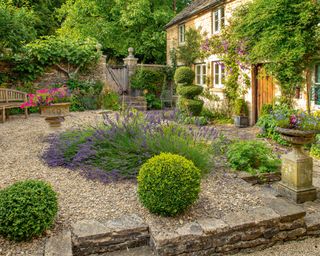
[131, 63]
[296, 176]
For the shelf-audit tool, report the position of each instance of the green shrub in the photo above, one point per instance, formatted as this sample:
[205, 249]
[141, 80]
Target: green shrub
[153, 102]
[253, 157]
[190, 91]
[85, 95]
[27, 209]
[190, 106]
[268, 122]
[168, 184]
[207, 113]
[111, 100]
[315, 148]
[146, 79]
[241, 108]
[184, 75]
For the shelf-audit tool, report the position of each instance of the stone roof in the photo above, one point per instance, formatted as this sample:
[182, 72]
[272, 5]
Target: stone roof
[192, 9]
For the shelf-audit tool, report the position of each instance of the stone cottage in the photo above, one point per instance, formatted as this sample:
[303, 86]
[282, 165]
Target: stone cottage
[209, 16]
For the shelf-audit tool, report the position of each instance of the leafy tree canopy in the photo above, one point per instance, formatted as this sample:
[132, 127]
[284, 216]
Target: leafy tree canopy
[120, 24]
[16, 26]
[283, 34]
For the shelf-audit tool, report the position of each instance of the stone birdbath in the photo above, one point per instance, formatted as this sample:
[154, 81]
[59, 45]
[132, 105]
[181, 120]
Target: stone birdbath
[297, 167]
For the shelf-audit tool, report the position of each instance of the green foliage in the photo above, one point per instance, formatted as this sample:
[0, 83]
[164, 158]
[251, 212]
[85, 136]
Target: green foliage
[153, 102]
[189, 92]
[152, 82]
[111, 100]
[168, 184]
[127, 142]
[315, 148]
[134, 23]
[190, 50]
[285, 33]
[241, 108]
[85, 95]
[252, 156]
[17, 26]
[55, 51]
[184, 75]
[147, 79]
[190, 106]
[27, 209]
[268, 122]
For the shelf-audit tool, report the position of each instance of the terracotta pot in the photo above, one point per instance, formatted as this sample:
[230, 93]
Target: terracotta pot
[54, 121]
[297, 137]
[56, 109]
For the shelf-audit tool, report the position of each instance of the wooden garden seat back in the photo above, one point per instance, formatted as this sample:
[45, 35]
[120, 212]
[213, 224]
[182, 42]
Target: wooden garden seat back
[11, 99]
[8, 96]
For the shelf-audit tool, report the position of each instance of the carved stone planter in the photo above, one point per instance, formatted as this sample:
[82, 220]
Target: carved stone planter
[54, 121]
[56, 109]
[297, 167]
[241, 121]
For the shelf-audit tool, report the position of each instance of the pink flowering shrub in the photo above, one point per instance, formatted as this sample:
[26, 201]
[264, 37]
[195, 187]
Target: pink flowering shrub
[46, 97]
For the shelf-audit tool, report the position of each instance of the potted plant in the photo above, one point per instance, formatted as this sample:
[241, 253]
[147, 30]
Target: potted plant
[54, 104]
[241, 113]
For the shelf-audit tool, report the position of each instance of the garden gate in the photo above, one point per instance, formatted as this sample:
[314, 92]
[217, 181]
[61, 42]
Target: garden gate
[118, 78]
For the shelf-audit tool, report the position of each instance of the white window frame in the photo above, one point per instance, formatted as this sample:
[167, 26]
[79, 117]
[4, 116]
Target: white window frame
[218, 74]
[316, 81]
[182, 33]
[201, 78]
[218, 20]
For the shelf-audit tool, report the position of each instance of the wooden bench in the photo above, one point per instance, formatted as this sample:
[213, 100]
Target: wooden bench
[11, 99]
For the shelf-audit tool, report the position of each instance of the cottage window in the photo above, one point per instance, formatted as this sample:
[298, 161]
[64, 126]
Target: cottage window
[218, 74]
[218, 20]
[316, 88]
[201, 74]
[182, 33]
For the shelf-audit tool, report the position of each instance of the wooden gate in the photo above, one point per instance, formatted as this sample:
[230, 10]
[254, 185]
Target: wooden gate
[265, 89]
[118, 76]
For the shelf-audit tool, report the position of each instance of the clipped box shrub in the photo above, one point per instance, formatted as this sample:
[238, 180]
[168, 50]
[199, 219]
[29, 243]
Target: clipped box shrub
[189, 92]
[168, 184]
[184, 75]
[27, 209]
[191, 106]
[253, 157]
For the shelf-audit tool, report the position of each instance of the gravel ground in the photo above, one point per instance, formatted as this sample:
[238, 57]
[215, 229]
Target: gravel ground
[21, 145]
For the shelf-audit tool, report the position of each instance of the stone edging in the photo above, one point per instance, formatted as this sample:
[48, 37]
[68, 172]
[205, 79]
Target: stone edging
[260, 179]
[278, 221]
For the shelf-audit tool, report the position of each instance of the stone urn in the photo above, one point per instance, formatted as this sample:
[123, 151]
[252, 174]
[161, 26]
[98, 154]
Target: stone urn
[297, 167]
[54, 121]
[56, 109]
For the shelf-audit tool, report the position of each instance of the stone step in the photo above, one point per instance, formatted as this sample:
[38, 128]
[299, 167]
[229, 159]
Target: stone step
[94, 237]
[139, 251]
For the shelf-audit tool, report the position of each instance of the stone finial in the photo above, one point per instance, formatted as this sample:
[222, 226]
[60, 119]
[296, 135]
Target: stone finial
[131, 50]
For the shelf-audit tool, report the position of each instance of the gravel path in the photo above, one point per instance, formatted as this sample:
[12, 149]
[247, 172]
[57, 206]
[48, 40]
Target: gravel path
[21, 145]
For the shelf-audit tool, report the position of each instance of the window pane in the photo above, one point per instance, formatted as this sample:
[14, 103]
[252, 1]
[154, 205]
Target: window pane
[222, 19]
[317, 73]
[216, 21]
[223, 73]
[216, 74]
[204, 73]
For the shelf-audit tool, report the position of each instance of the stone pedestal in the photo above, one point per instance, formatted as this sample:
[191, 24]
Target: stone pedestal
[296, 180]
[131, 63]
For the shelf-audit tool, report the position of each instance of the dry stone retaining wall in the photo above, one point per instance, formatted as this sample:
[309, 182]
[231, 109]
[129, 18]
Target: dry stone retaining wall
[277, 222]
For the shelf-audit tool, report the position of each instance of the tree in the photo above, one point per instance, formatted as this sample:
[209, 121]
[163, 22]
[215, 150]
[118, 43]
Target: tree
[190, 50]
[282, 34]
[120, 24]
[17, 26]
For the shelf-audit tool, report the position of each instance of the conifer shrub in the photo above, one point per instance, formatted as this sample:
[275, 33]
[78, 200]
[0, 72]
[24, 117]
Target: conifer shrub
[27, 209]
[189, 102]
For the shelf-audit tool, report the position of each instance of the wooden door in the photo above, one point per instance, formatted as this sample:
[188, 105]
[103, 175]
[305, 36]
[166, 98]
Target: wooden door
[265, 89]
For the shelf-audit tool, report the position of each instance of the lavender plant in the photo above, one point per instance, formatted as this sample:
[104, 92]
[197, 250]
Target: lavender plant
[118, 149]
